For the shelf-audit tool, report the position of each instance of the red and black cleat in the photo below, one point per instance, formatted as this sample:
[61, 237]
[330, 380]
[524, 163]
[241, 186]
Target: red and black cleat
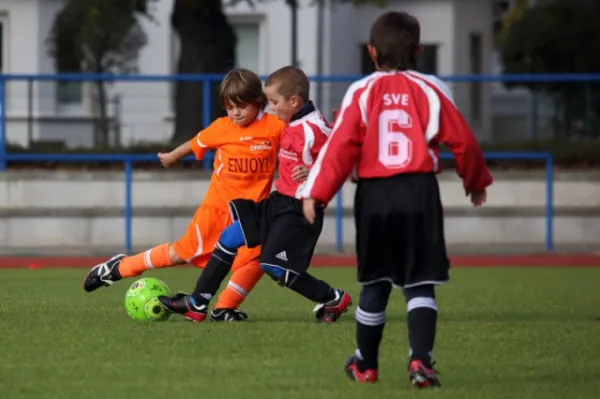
[330, 311]
[368, 376]
[422, 376]
[184, 305]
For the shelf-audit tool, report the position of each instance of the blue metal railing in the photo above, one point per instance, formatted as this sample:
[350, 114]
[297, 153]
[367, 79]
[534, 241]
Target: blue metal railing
[129, 159]
[207, 79]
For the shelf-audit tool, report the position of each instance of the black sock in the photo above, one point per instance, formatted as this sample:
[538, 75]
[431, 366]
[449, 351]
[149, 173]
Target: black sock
[312, 288]
[370, 322]
[213, 275]
[422, 322]
[369, 332]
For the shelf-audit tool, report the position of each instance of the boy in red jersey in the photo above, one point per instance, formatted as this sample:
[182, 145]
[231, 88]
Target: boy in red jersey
[288, 241]
[389, 126]
[247, 141]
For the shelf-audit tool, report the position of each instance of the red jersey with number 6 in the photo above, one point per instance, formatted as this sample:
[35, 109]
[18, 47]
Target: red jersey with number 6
[391, 123]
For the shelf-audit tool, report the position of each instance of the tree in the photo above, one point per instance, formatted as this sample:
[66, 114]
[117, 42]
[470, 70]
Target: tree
[98, 36]
[556, 37]
[207, 46]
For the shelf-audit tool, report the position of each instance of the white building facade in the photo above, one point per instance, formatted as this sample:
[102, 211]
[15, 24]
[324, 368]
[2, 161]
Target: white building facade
[457, 35]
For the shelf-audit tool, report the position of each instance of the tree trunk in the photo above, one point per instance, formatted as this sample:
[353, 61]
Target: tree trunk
[207, 45]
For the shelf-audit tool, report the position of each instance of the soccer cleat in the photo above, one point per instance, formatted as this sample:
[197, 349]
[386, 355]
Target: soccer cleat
[368, 376]
[228, 315]
[104, 274]
[184, 305]
[422, 376]
[330, 311]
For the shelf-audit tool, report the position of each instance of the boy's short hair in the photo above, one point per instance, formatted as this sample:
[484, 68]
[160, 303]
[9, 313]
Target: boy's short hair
[241, 86]
[396, 37]
[291, 81]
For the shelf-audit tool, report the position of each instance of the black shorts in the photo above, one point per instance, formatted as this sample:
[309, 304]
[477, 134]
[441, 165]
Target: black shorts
[400, 231]
[277, 223]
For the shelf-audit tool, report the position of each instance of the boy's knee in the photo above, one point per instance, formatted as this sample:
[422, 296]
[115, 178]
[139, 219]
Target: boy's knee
[174, 257]
[232, 237]
[420, 291]
[281, 276]
[374, 297]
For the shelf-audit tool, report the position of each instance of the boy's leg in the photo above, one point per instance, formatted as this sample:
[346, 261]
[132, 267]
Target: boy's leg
[246, 273]
[286, 253]
[194, 242]
[121, 266]
[421, 320]
[370, 321]
[241, 232]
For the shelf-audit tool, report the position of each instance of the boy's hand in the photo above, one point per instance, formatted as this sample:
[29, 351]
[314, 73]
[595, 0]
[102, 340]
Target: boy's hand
[308, 208]
[300, 173]
[478, 198]
[334, 113]
[167, 159]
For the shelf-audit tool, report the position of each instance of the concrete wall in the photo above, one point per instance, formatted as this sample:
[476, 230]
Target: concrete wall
[83, 212]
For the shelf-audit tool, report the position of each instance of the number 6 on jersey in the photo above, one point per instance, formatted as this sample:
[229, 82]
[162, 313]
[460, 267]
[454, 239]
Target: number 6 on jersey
[395, 148]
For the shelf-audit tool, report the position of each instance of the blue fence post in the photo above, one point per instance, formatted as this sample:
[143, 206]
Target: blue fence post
[339, 221]
[549, 203]
[128, 205]
[206, 114]
[3, 143]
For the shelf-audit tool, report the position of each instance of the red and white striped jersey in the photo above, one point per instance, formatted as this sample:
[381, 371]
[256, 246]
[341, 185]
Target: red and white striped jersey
[391, 123]
[301, 142]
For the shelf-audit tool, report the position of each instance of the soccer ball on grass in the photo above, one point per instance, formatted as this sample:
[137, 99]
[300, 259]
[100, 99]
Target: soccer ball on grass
[141, 300]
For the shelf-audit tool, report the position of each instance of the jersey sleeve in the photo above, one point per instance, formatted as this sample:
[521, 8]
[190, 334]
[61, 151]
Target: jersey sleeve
[456, 134]
[209, 138]
[340, 153]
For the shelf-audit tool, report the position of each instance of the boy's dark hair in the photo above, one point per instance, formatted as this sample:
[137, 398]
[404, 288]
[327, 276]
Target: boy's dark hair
[291, 81]
[396, 37]
[241, 86]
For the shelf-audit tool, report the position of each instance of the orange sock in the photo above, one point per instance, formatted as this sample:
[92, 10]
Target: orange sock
[241, 283]
[155, 258]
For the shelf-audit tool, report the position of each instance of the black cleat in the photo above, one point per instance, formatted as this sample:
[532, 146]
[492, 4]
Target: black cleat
[184, 305]
[228, 315]
[104, 274]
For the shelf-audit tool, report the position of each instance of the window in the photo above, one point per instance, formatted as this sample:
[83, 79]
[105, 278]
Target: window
[3, 41]
[247, 52]
[426, 63]
[475, 58]
[1, 46]
[69, 92]
[366, 65]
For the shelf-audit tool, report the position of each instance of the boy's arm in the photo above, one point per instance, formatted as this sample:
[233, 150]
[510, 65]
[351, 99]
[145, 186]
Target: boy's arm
[199, 145]
[456, 134]
[168, 159]
[339, 154]
[207, 139]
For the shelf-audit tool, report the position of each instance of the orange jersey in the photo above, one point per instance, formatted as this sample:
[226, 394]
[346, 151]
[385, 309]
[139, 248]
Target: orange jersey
[245, 160]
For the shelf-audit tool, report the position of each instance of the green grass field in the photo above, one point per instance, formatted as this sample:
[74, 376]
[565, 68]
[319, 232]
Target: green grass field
[503, 333]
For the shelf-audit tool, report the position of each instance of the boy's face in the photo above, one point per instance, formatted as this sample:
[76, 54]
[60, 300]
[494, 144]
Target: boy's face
[242, 114]
[282, 107]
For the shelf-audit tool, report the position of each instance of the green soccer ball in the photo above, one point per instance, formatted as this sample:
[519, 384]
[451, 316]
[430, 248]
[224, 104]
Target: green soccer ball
[141, 300]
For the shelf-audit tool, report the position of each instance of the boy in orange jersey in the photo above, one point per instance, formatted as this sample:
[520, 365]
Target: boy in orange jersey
[247, 141]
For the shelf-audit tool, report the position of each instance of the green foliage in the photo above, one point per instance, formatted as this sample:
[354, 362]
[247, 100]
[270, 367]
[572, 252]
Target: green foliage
[556, 37]
[560, 36]
[98, 35]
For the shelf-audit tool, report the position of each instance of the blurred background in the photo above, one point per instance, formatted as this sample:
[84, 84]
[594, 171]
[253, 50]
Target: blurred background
[87, 83]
